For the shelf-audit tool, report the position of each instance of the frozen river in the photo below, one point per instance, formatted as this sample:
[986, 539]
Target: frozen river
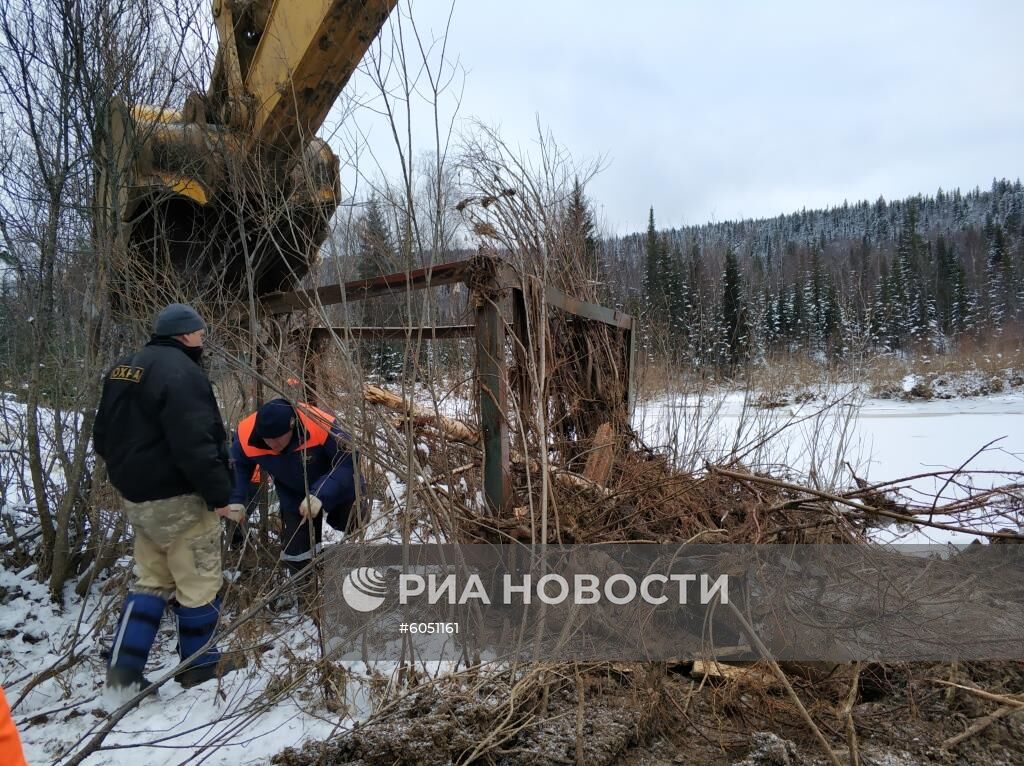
[821, 439]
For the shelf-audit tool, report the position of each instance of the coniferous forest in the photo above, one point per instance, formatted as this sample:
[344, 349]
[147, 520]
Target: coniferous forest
[911, 275]
[918, 275]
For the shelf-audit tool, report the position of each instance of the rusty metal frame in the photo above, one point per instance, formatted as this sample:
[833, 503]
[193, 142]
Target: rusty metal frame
[504, 308]
[613, 317]
[558, 299]
[361, 289]
[438, 332]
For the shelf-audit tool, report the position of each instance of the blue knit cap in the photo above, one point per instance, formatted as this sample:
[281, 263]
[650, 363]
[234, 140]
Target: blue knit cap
[275, 418]
[178, 319]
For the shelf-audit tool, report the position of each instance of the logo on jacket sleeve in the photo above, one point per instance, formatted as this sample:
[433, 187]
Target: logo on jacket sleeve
[127, 373]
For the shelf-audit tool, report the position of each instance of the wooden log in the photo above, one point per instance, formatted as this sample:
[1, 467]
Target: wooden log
[980, 725]
[720, 671]
[454, 429]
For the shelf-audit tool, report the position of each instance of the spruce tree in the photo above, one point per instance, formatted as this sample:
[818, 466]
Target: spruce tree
[653, 287]
[882, 332]
[797, 315]
[770, 325]
[580, 233]
[951, 300]
[734, 314]
[376, 257]
[694, 284]
[909, 310]
[831, 319]
[782, 315]
[998, 272]
[678, 290]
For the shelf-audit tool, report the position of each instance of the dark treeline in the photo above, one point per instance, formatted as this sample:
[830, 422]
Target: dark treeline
[910, 274]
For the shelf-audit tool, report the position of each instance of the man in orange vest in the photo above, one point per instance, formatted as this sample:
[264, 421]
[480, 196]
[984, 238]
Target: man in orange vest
[311, 461]
[11, 753]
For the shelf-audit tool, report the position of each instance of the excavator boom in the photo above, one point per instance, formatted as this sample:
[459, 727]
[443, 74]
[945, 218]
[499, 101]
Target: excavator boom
[289, 59]
[295, 76]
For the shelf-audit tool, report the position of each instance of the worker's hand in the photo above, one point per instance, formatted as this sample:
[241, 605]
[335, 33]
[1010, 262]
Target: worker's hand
[235, 512]
[310, 507]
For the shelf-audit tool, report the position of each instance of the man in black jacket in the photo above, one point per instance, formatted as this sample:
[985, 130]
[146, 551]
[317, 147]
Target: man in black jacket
[160, 432]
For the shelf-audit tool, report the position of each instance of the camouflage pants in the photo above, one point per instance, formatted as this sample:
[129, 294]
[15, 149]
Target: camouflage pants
[177, 548]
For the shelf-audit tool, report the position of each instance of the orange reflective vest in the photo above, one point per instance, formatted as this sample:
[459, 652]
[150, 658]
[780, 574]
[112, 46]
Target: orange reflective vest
[11, 753]
[314, 421]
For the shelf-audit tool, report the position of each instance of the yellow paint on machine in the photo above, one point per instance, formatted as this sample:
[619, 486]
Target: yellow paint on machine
[185, 186]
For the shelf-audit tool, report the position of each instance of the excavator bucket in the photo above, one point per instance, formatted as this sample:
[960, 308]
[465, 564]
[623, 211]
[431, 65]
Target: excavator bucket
[195, 202]
[234, 192]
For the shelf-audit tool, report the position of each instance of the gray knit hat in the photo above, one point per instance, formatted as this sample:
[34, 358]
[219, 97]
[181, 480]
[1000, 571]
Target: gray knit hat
[178, 319]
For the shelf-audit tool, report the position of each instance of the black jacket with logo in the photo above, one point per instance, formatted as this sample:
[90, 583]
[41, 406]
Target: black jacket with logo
[158, 427]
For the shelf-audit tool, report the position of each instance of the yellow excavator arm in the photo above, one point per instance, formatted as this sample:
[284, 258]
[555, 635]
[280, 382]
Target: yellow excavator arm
[286, 62]
[236, 178]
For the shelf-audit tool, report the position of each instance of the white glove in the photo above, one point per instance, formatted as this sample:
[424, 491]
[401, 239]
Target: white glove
[234, 511]
[310, 507]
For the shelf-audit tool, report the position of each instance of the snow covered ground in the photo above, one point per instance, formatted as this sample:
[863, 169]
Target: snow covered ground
[179, 724]
[234, 724]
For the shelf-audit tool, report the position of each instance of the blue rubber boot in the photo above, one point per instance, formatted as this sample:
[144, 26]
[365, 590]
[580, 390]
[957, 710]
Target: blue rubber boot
[196, 625]
[136, 631]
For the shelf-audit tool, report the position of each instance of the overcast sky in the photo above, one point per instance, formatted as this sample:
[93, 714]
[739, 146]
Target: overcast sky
[721, 110]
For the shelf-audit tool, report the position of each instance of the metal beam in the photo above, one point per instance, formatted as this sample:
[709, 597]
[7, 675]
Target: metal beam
[399, 333]
[560, 300]
[311, 367]
[523, 348]
[492, 390]
[361, 289]
[630, 354]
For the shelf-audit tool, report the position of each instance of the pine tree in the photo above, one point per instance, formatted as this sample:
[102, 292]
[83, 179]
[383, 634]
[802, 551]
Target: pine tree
[782, 315]
[815, 302]
[1013, 222]
[376, 257]
[664, 280]
[998, 274]
[694, 275]
[580, 233]
[831, 319]
[968, 308]
[935, 289]
[797, 315]
[882, 332]
[654, 278]
[951, 300]
[770, 325]
[677, 292]
[909, 310]
[734, 314]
